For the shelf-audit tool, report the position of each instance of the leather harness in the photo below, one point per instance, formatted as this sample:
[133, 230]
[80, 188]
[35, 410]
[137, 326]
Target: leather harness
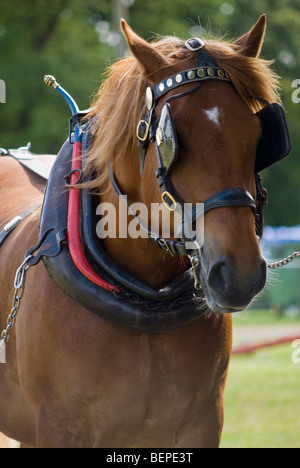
[128, 302]
[73, 255]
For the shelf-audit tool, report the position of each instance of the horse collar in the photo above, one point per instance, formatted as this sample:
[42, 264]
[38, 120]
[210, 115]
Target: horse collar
[128, 302]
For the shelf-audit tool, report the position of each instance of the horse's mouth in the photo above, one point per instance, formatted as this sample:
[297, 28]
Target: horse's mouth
[214, 307]
[212, 303]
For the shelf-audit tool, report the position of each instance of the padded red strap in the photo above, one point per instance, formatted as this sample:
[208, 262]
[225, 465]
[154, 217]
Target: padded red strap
[75, 246]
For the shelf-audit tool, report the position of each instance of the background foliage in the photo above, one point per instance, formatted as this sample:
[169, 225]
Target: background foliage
[75, 40]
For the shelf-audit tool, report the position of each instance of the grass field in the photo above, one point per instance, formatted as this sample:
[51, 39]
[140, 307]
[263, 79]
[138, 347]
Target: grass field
[262, 399]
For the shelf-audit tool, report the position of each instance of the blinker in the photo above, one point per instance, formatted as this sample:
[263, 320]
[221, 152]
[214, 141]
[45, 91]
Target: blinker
[166, 138]
[275, 143]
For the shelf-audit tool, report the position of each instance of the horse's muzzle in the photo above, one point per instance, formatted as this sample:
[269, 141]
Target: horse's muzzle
[227, 289]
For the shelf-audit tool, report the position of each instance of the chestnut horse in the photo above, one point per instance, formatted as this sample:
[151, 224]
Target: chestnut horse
[73, 379]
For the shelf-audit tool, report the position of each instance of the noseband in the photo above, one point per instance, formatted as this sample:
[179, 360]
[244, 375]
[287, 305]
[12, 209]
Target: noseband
[161, 131]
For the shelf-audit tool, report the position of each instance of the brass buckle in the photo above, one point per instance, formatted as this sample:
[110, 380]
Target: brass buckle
[167, 194]
[147, 125]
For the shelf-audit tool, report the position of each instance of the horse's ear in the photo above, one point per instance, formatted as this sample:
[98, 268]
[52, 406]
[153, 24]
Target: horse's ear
[150, 59]
[251, 43]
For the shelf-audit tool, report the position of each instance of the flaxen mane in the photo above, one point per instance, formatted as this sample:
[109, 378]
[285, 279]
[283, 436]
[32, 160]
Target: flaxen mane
[120, 101]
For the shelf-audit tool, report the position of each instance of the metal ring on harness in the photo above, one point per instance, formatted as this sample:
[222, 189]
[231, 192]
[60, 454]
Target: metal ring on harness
[69, 176]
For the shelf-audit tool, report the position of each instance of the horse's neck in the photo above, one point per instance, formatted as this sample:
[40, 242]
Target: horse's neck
[138, 256]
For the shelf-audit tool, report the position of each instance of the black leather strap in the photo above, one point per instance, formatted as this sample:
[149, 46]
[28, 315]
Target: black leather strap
[230, 197]
[204, 59]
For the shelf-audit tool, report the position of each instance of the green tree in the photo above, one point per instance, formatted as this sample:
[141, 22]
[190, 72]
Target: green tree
[37, 38]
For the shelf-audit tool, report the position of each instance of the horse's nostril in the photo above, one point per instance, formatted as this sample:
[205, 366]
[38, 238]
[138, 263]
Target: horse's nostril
[219, 278]
[229, 286]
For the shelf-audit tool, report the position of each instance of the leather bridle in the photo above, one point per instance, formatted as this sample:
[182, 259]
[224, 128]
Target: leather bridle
[207, 69]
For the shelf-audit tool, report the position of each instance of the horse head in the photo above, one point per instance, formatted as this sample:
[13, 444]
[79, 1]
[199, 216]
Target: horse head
[199, 143]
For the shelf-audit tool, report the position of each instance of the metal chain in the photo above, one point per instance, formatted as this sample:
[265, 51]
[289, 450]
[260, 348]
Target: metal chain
[19, 285]
[284, 262]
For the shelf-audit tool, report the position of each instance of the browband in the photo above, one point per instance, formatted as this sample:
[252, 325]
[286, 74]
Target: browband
[189, 76]
[207, 69]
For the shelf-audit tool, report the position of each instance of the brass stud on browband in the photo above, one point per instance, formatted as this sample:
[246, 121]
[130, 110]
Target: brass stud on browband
[191, 75]
[161, 87]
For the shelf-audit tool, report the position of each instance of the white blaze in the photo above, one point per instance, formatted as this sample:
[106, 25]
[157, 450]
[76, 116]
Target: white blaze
[214, 115]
